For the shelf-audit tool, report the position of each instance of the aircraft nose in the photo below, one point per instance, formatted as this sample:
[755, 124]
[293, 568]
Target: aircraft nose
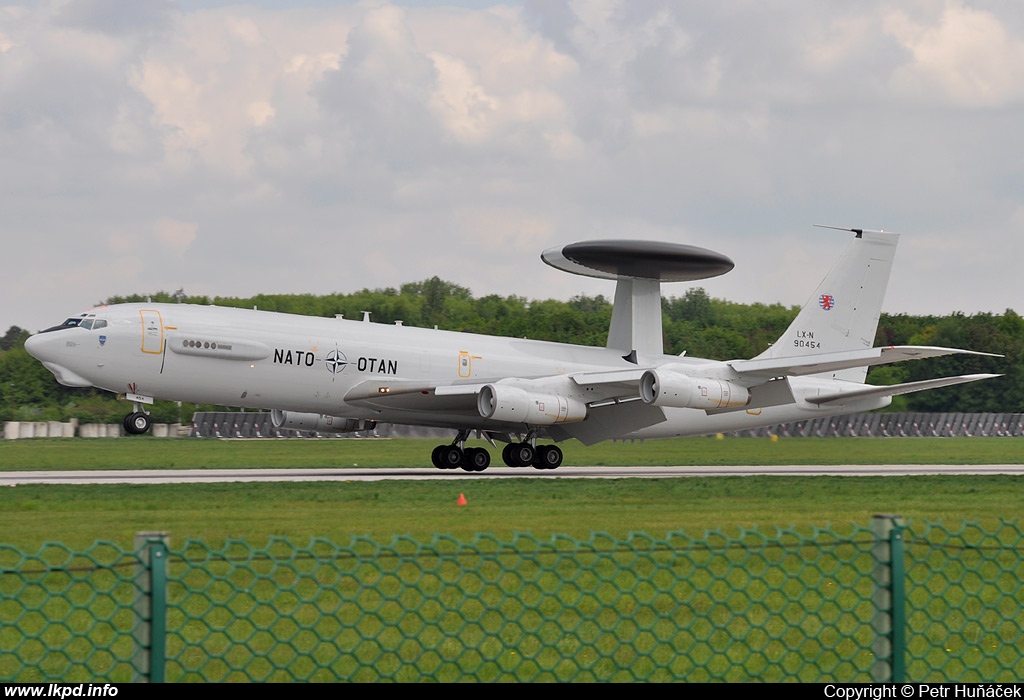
[35, 346]
[50, 349]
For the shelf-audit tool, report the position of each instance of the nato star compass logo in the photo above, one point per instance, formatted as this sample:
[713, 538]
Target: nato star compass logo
[335, 362]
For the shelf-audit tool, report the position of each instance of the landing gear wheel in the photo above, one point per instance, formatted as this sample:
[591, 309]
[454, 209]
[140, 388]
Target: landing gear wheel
[522, 454]
[435, 457]
[507, 455]
[451, 456]
[477, 459]
[548, 457]
[136, 423]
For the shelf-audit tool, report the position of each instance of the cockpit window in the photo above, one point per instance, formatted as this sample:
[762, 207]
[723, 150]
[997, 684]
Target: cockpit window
[70, 323]
[89, 323]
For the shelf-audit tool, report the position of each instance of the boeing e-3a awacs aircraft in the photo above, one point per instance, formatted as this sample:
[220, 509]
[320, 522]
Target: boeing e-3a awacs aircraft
[344, 375]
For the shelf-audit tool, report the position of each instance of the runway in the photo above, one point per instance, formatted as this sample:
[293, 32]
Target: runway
[201, 476]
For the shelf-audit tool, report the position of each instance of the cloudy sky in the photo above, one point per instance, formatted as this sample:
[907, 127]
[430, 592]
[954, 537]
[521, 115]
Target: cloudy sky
[291, 146]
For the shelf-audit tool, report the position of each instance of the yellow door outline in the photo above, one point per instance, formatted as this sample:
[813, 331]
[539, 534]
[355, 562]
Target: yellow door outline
[152, 332]
[466, 364]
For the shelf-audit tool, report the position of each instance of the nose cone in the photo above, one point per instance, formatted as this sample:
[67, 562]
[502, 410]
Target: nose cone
[36, 345]
[55, 351]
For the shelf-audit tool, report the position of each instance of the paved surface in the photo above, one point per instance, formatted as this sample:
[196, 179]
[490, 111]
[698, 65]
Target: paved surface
[199, 476]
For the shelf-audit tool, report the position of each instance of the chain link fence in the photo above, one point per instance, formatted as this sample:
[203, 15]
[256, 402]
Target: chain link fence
[924, 602]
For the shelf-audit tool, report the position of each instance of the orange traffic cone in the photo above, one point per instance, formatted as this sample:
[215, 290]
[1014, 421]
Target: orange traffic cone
[461, 501]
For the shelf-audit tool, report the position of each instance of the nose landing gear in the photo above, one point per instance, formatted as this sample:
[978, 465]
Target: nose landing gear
[136, 423]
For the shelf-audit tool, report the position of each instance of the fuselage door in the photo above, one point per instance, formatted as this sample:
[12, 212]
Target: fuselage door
[152, 332]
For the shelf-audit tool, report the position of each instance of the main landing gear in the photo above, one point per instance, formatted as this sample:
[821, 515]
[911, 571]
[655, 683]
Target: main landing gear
[524, 454]
[470, 459]
[477, 459]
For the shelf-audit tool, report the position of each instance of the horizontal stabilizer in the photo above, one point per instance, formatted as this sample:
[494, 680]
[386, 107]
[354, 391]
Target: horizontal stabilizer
[801, 365]
[894, 390]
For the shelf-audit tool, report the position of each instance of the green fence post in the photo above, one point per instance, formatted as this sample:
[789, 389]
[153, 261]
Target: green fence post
[889, 598]
[158, 555]
[150, 607]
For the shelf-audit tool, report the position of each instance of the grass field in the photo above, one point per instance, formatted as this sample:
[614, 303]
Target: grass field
[237, 615]
[80, 515]
[154, 453]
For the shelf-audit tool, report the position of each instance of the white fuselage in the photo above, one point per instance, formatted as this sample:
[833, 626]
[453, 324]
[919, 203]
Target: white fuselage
[264, 360]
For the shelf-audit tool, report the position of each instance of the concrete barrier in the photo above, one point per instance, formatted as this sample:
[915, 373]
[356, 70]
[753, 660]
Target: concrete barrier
[259, 424]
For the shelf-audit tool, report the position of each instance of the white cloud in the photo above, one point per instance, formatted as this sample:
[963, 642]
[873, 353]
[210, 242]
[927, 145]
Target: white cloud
[175, 236]
[245, 149]
[965, 55]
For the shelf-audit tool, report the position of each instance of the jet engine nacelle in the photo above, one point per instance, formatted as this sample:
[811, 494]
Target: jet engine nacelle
[318, 422]
[675, 390]
[515, 405]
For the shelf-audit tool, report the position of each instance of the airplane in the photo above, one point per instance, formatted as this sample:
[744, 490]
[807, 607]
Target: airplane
[337, 375]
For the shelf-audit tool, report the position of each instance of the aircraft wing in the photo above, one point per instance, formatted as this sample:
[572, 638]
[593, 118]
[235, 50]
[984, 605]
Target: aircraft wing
[411, 395]
[614, 386]
[800, 365]
[613, 406]
[893, 390]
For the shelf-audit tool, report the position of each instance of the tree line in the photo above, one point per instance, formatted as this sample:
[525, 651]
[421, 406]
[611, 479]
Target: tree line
[700, 325]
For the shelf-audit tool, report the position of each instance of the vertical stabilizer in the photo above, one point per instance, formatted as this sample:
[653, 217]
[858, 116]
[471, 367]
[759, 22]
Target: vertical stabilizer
[843, 312]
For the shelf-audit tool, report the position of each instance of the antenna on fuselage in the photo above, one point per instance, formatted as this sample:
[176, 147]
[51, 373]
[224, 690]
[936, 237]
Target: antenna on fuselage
[638, 268]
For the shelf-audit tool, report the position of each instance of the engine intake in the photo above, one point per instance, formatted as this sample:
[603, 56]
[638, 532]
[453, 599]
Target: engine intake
[675, 390]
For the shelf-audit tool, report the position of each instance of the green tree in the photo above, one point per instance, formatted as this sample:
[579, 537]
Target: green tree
[695, 306]
[27, 390]
[13, 338]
